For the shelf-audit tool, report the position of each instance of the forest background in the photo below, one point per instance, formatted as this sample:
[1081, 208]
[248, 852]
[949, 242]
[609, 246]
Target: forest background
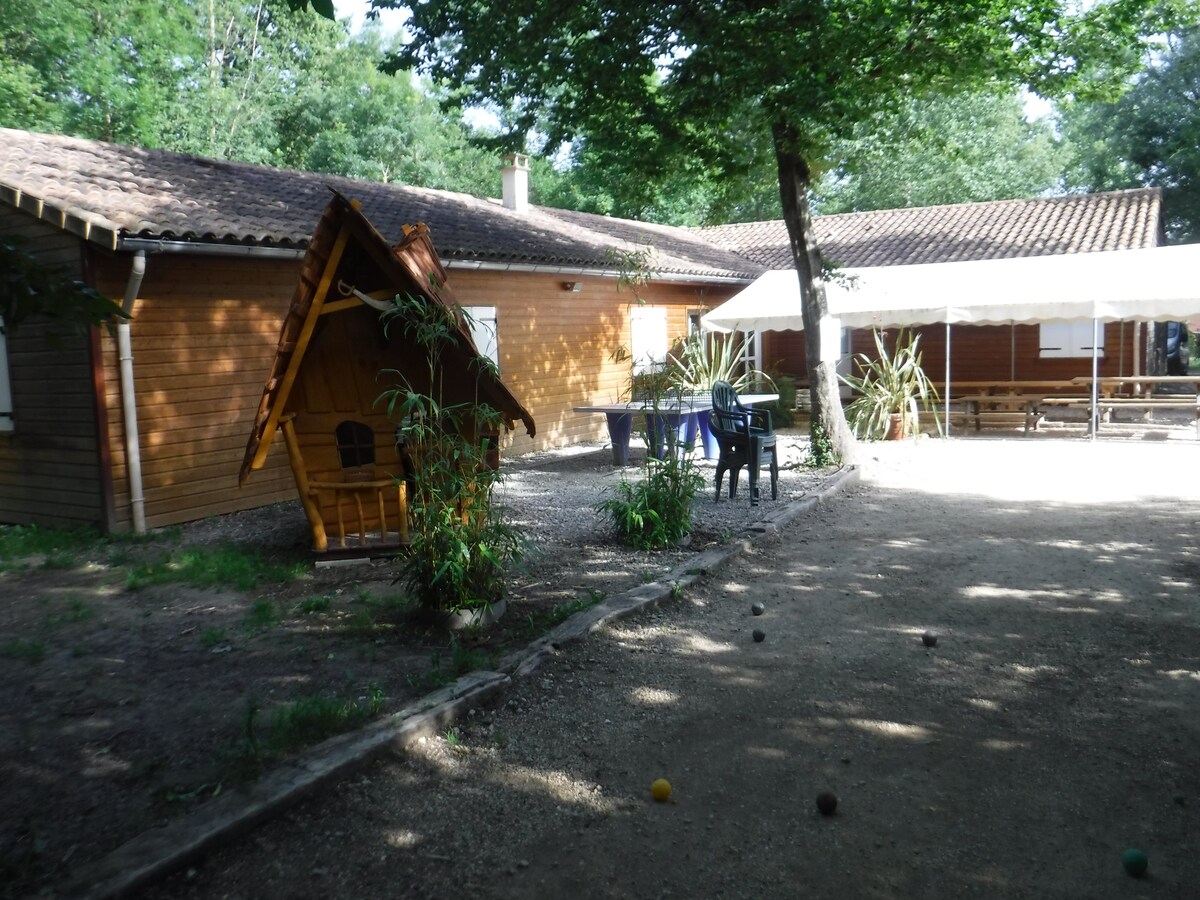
[251, 81]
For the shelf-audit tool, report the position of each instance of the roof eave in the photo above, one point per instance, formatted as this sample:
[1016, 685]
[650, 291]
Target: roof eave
[60, 218]
[157, 245]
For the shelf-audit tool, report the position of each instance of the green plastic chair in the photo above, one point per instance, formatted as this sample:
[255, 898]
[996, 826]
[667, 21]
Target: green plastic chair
[746, 438]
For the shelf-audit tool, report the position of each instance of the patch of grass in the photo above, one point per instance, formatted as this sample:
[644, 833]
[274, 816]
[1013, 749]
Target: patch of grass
[211, 637]
[647, 577]
[312, 719]
[24, 650]
[465, 659]
[361, 625]
[120, 555]
[76, 611]
[260, 616]
[170, 534]
[243, 760]
[538, 623]
[224, 565]
[20, 541]
[433, 677]
[311, 606]
[453, 737]
[60, 560]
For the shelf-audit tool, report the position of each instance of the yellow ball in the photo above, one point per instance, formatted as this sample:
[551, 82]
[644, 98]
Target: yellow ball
[661, 790]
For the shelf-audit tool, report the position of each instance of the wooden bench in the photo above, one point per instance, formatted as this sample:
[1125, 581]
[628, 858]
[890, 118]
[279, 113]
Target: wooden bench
[999, 410]
[1106, 406]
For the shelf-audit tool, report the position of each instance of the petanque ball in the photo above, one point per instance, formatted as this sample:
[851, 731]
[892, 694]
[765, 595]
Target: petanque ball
[758, 608]
[759, 635]
[827, 802]
[929, 639]
[1135, 862]
[660, 790]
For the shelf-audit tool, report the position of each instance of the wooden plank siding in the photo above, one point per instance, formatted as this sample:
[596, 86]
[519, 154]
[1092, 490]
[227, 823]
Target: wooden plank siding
[977, 353]
[555, 346]
[204, 332]
[50, 469]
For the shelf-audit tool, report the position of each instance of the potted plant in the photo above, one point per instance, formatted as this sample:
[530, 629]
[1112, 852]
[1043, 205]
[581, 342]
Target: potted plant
[704, 358]
[891, 390]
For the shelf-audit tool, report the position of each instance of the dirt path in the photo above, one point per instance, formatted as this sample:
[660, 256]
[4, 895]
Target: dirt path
[1054, 725]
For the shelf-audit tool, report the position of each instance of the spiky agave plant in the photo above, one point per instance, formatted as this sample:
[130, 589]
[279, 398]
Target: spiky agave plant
[890, 384]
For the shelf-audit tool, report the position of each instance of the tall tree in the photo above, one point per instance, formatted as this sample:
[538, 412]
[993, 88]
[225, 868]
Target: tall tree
[952, 149]
[106, 69]
[672, 81]
[1148, 137]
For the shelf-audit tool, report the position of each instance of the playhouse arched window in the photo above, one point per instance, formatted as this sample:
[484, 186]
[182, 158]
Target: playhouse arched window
[355, 444]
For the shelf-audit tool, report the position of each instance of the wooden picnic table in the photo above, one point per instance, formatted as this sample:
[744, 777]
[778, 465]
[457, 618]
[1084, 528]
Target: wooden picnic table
[1008, 387]
[1125, 392]
[1113, 385]
[999, 409]
[1017, 402]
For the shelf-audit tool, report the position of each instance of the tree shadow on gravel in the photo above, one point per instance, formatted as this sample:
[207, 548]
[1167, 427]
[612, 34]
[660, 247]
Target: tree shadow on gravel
[1053, 725]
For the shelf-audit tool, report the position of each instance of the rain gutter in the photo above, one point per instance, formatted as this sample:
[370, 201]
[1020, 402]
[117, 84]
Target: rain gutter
[133, 455]
[151, 245]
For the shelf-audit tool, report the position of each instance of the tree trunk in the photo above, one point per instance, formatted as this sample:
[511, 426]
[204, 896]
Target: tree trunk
[794, 176]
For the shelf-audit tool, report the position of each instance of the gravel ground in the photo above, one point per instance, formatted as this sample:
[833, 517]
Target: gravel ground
[1054, 724]
[128, 706]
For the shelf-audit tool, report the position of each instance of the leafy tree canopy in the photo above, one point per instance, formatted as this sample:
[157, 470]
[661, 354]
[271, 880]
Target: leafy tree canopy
[1148, 137]
[943, 149]
[229, 79]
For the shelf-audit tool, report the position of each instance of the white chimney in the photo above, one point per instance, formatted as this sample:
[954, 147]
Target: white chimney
[515, 182]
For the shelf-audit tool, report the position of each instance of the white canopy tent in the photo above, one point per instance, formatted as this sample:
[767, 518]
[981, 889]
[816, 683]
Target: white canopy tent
[1155, 284]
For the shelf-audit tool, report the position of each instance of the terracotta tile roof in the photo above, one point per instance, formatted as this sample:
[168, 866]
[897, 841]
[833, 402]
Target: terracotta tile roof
[108, 192]
[1081, 223]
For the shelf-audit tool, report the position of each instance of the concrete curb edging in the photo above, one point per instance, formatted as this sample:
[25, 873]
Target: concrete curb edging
[154, 854]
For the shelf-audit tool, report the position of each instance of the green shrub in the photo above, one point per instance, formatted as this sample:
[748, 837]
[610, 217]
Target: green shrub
[656, 512]
[890, 384]
[460, 547]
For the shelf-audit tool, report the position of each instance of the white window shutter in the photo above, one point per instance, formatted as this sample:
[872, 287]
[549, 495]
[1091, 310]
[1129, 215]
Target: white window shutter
[482, 320]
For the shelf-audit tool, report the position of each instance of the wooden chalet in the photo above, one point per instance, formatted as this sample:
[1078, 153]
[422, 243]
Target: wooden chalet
[148, 427]
[206, 255]
[324, 386]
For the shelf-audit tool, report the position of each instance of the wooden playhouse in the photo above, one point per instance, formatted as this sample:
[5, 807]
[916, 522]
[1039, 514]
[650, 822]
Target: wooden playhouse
[333, 362]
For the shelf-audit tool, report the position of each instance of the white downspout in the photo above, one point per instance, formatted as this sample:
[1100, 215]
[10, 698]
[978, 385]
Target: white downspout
[133, 455]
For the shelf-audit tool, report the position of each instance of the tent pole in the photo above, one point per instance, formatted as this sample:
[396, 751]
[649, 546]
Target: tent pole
[947, 397]
[1095, 423]
[1012, 351]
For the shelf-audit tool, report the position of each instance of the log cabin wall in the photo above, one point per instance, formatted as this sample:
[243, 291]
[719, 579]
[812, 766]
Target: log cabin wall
[977, 353]
[555, 345]
[1007, 353]
[50, 468]
[204, 334]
